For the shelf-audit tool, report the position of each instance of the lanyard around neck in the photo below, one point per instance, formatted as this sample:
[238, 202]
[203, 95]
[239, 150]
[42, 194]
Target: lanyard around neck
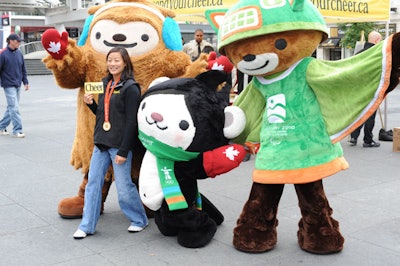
[107, 98]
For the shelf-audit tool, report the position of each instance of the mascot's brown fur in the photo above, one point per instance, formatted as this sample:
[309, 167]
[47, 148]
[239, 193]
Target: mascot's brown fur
[82, 64]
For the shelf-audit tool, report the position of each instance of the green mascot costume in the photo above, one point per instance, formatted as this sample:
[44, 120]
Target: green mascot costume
[297, 108]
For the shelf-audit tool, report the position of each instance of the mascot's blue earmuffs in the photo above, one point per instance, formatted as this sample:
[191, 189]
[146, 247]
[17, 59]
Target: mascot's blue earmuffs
[85, 31]
[171, 34]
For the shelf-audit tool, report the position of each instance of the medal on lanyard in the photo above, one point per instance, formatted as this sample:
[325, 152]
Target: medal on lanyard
[106, 126]
[107, 98]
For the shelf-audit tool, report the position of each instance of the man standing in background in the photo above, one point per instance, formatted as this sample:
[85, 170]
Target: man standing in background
[12, 74]
[196, 46]
[373, 38]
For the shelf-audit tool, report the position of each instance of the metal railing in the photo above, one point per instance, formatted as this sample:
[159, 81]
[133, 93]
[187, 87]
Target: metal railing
[33, 54]
[31, 47]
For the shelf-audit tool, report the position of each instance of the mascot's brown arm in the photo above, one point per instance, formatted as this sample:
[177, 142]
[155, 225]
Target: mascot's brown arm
[395, 73]
[72, 65]
[197, 67]
[178, 64]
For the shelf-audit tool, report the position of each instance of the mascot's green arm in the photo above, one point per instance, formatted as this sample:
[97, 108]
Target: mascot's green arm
[351, 89]
[252, 102]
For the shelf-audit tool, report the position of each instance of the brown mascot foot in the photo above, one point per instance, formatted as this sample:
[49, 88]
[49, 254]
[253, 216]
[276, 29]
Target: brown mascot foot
[318, 231]
[256, 227]
[72, 207]
[320, 238]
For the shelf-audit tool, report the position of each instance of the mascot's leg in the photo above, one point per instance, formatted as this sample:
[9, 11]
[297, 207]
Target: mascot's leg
[318, 231]
[255, 231]
[196, 229]
[163, 226]
[193, 227]
[211, 210]
[72, 208]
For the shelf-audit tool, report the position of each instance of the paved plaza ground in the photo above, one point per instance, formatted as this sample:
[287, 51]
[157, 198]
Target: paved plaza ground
[35, 174]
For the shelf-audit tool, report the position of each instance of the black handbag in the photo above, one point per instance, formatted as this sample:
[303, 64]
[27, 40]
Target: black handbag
[385, 135]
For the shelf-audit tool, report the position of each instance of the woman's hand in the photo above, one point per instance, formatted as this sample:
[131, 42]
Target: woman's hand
[88, 98]
[119, 159]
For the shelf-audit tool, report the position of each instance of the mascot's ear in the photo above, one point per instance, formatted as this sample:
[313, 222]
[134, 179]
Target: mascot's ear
[158, 81]
[215, 17]
[85, 31]
[171, 35]
[235, 121]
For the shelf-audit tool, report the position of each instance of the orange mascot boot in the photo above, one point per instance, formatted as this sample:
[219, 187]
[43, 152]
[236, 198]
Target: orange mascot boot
[72, 207]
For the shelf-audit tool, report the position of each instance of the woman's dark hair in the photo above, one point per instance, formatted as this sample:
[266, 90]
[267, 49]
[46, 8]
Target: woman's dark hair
[128, 70]
[207, 49]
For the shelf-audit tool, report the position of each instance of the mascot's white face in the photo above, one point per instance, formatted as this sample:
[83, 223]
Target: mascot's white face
[171, 124]
[106, 34]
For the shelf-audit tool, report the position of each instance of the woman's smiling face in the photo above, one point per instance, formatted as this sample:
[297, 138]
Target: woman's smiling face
[115, 64]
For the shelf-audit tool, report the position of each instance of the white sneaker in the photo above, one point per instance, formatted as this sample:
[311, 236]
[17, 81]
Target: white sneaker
[19, 135]
[4, 132]
[79, 234]
[135, 228]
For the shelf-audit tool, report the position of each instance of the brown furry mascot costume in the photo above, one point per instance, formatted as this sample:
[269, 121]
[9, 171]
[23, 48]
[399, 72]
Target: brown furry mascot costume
[298, 108]
[154, 43]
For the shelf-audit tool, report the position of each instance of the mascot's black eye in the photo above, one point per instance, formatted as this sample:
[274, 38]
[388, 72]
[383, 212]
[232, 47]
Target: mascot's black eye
[143, 105]
[280, 44]
[145, 37]
[183, 125]
[98, 35]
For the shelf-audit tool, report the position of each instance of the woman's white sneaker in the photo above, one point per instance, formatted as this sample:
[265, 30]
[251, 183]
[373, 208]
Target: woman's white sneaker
[19, 135]
[135, 229]
[79, 234]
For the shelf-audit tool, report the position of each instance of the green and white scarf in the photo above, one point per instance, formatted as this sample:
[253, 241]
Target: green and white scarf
[165, 158]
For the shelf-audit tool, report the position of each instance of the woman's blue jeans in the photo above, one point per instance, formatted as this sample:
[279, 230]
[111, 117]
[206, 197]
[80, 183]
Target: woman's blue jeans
[128, 196]
[12, 112]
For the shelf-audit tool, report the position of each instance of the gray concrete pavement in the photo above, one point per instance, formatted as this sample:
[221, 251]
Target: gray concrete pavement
[35, 174]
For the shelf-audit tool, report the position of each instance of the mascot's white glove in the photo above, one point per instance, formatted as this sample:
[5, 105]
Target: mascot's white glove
[223, 159]
[54, 43]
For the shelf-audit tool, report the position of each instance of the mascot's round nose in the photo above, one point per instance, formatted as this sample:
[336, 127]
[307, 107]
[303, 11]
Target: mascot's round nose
[157, 117]
[249, 58]
[119, 37]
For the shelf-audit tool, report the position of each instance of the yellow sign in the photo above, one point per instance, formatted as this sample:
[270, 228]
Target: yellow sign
[334, 11]
[193, 11]
[94, 87]
[338, 11]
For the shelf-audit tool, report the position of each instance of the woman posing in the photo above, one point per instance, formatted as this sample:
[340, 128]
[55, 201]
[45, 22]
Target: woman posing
[115, 137]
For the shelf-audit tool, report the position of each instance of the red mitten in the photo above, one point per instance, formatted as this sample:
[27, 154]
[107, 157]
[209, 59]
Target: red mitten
[54, 43]
[223, 159]
[219, 63]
